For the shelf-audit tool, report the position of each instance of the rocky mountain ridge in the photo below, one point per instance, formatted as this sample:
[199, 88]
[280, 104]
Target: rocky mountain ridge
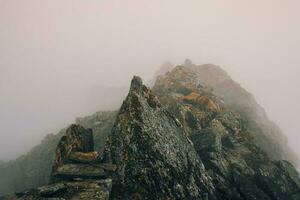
[267, 134]
[224, 141]
[182, 140]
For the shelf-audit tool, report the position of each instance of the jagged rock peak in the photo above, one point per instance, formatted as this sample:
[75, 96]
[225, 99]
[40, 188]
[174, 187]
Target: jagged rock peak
[154, 157]
[138, 89]
[136, 83]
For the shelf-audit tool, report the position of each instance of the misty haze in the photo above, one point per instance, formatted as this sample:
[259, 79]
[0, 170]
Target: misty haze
[64, 62]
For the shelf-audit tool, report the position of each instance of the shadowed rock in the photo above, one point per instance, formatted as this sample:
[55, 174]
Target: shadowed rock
[76, 139]
[189, 147]
[77, 172]
[50, 190]
[223, 140]
[155, 159]
[79, 190]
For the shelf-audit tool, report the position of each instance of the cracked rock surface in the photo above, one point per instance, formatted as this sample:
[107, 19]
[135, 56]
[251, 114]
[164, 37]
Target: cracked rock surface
[180, 141]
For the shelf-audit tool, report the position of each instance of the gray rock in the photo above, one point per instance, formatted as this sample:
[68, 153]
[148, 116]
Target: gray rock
[79, 171]
[50, 190]
[155, 159]
[224, 142]
[189, 147]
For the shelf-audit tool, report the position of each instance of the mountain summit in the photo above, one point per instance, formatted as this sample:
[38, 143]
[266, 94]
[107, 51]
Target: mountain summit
[197, 135]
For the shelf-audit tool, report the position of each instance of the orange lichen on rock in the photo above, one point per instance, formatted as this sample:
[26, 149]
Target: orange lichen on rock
[180, 78]
[87, 157]
[204, 101]
[198, 113]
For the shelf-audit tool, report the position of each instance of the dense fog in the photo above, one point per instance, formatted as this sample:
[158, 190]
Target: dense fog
[61, 59]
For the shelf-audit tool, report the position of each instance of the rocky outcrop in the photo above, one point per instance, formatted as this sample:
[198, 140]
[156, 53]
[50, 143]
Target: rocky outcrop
[155, 159]
[184, 143]
[266, 133]
[76, 139]
[78, 171]
[34, 169]
[238, 167]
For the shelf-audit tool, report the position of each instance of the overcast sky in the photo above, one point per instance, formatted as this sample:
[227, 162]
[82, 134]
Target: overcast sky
[60, 59]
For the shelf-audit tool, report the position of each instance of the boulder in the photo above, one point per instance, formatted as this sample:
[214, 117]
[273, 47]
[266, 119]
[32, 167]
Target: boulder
[76, 139]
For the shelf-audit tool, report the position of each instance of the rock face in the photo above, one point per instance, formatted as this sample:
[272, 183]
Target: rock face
[155, 159]
[238, 167]
[187, 142]
[34, 169]
[78, 171]
[267, 135]
[76, 139]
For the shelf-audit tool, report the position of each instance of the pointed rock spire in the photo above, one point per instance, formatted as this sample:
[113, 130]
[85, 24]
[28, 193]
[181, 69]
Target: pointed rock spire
[136, 83]
[152, 154]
